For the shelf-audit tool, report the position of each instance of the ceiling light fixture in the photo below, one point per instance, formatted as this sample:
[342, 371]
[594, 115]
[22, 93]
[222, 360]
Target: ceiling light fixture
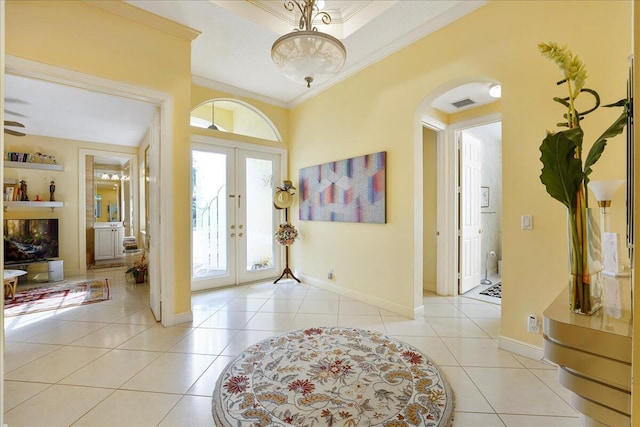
[306, 54]
[495, 91]
[213, 125]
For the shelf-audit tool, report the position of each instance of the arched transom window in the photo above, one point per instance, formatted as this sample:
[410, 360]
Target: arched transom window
[229, 115]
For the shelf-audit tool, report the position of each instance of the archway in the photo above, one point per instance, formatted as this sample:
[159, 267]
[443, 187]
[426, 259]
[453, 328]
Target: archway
[448, 168]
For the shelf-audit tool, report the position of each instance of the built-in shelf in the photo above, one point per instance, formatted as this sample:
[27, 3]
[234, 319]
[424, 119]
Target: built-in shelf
[28, 165]
[51, 205]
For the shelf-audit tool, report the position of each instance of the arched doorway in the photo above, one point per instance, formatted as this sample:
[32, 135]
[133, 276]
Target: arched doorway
[447, 161]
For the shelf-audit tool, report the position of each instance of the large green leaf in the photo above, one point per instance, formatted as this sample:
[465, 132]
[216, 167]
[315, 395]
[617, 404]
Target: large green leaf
[561, 171]
[598, 147]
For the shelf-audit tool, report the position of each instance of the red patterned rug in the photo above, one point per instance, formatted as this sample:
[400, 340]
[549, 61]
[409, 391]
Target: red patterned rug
[56, 297]
[332, 377]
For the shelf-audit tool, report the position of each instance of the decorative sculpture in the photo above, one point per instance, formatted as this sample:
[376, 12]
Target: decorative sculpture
[52, 189]
[23, 191]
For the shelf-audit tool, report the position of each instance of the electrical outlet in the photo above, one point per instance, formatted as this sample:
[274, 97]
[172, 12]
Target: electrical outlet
[532, 324]
[330, 274]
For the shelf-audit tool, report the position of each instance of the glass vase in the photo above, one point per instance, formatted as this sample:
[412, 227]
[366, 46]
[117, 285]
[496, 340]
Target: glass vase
[585, 261]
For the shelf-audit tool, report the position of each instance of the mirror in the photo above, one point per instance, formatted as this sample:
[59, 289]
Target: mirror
[113, 200]
[107, 205]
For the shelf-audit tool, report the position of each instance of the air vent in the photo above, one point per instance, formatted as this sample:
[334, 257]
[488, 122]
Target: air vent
[463, 102]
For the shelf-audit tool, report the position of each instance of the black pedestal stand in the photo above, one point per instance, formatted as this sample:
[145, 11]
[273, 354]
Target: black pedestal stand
[287, 271]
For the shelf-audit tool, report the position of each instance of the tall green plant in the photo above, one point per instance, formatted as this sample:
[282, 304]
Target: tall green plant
[565, 174]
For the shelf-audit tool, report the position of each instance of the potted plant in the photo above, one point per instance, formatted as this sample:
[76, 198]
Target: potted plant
[565, 175]
[139, 269]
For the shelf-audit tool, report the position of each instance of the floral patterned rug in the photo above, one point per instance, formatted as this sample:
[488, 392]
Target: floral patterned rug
[332, 376]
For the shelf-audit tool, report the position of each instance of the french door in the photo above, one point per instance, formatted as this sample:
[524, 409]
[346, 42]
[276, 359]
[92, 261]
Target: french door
[233, 218]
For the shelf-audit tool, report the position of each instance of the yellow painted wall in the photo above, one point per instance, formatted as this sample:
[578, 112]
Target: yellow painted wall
[67, 154]
[85, 38]
[430, 192]
[374, 109]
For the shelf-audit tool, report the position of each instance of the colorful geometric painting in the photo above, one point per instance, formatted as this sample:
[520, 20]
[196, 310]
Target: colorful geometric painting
[351, 190]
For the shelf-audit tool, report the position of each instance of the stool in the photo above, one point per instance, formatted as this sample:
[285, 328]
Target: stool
[11, 282]
[10, 287]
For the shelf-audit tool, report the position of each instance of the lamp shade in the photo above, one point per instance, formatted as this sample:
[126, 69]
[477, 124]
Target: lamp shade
[308, 56]
[604, 190]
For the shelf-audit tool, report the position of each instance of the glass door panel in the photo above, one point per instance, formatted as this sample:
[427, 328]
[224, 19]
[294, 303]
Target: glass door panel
[257, 247]
[211, 213]
[233, 218]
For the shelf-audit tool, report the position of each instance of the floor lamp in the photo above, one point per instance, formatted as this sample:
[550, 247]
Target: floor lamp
[604, 191]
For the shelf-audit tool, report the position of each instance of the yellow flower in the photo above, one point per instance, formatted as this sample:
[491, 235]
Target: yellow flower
[572, 68]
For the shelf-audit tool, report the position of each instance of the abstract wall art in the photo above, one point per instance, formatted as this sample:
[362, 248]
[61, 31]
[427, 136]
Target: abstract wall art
[350, 190]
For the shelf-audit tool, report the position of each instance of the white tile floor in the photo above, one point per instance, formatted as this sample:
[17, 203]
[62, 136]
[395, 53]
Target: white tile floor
[110, 364]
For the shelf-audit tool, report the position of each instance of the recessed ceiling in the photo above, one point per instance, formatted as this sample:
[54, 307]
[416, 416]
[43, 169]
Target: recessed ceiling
[231, 54]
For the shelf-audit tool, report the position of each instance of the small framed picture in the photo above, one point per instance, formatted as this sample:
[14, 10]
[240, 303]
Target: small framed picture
[484, 197]
[10, 192]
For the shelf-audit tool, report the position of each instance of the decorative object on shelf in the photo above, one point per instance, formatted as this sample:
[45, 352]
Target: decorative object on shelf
[565, 178]
[37, 199]
[139, 269]
[307, 55]
[52, 190]
[350, 190]
[286, 233]
[47, 158]
[604, 191]
[10, 192]
[20, 157]
[23, 191]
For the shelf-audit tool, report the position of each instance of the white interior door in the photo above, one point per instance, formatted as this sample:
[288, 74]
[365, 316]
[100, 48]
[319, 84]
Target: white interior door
[470, 226]
[233, 219]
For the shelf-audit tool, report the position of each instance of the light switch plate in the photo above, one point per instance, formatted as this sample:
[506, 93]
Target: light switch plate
[527, 222]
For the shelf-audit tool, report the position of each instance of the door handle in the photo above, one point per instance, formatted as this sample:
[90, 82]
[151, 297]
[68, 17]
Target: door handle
[240, 234]
[233, 234]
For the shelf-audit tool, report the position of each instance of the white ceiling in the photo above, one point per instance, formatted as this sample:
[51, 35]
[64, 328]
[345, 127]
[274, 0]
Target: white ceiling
[233, 54]
[60, 111]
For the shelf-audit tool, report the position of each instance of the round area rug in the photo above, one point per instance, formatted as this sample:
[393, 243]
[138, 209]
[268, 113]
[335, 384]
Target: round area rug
[332, 377]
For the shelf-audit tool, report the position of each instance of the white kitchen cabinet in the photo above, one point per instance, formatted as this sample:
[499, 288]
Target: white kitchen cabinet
[108, 242]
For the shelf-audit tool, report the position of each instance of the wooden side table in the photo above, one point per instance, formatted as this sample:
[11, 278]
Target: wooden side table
[11, 282]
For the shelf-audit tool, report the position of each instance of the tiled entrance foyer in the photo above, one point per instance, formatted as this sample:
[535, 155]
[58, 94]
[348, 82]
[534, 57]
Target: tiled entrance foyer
[110, 364]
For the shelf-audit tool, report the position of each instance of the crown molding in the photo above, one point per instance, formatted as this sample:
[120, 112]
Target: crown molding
[233, 90]
[149, 19]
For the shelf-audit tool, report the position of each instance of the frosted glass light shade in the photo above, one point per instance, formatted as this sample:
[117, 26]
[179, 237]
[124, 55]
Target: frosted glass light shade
[308, 56]
[604, 190]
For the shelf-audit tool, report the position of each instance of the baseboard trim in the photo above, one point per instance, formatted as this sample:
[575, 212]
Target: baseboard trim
[521, 348]
[368, 299]
[179, 318]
